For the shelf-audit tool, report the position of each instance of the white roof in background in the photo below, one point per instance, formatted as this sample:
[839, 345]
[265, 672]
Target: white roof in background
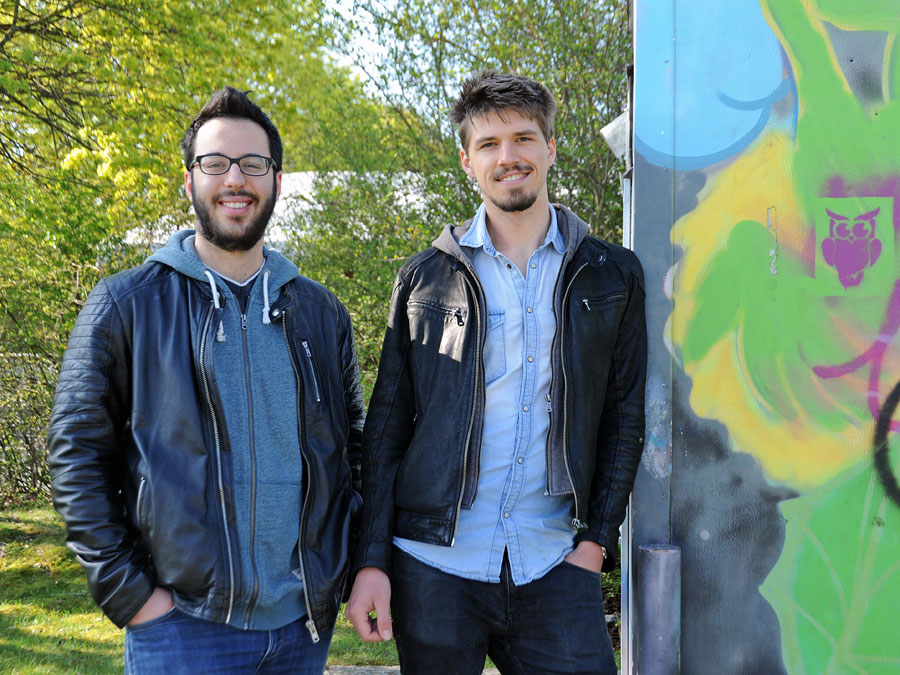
[296, 190]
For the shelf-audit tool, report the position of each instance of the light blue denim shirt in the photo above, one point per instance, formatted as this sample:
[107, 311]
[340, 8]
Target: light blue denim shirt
[511, 510]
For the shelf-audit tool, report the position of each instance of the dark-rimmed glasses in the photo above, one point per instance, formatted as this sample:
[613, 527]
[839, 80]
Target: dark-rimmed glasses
[216, 165]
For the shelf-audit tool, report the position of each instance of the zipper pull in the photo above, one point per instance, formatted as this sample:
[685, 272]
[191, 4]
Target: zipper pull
[311, 627]
[549, 406]
[587, 305]
[306, 348]
[243, 322]
[458, 314]
[578, 525]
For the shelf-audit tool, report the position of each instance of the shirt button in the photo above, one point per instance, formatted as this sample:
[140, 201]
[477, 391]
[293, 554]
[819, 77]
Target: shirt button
[529, 310]
[533, 265]
[530, 359]
[506, 515]
[525, 408]
[508, 266]
[519, 460]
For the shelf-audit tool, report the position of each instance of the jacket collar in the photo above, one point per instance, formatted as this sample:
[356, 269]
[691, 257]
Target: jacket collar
[572, 228]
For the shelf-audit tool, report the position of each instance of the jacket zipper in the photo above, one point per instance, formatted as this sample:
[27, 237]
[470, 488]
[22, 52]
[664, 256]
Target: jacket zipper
[462, 486]
[221, 485]
[310, 624]
[577, 524]
[255, 592]
[312, 369]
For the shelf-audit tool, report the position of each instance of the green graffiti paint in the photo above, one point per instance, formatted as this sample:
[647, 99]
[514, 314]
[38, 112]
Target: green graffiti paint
[836, 586]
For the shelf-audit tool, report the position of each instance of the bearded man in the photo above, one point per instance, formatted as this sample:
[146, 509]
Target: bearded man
[507, 421]
[204, 441]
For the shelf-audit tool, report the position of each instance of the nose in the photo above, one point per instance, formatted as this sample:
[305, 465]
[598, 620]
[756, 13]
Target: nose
[508, 153]
[234, 176]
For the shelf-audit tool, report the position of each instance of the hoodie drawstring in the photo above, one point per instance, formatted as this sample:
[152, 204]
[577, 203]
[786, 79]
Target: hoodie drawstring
[266, 319]
[220, 334]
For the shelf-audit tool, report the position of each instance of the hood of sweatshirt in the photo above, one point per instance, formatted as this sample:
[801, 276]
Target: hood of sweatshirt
[179, 253]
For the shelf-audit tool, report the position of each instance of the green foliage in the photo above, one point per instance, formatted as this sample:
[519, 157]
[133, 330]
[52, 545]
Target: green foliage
[578, 49]
[26, 388]
[94, 98]
[90, 130]
[360, 227]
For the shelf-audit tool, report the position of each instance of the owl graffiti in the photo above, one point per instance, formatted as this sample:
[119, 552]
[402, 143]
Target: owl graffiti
[851, 246]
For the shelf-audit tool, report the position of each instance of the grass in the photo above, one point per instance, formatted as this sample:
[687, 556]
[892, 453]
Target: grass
[50, 624]
[48, 620]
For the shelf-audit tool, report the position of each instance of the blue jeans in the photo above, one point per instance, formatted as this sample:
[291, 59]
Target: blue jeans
[446, 624]
[176, 643]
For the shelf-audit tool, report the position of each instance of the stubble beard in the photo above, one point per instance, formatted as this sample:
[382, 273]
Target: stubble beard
[247, 238]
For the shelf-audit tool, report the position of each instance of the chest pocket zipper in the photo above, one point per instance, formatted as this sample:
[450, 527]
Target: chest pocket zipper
[589, 304]
[312, 369]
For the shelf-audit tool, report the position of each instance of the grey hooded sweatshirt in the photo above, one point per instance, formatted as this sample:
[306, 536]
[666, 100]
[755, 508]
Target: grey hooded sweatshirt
[256, 383]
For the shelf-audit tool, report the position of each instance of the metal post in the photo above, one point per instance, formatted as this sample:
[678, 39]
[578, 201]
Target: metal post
[658, 610]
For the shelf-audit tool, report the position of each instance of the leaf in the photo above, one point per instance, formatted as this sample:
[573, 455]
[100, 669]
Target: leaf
[838, 578]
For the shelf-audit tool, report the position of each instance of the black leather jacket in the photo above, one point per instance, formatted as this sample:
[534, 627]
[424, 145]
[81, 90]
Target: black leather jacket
[422, 440]
[137, 398]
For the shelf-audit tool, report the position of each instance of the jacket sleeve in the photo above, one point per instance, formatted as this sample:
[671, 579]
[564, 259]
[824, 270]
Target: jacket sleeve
[353, 401]
[90, 412]
[620, 439]
[390, 424]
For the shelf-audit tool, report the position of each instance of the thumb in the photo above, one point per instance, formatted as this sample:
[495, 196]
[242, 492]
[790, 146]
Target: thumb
[385, 625]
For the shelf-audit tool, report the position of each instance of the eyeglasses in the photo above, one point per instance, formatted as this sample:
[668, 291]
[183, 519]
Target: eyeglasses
[216, 165]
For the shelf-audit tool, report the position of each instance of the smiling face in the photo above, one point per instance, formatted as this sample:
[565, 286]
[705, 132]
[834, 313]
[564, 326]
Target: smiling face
[509, 157]
[232, 209]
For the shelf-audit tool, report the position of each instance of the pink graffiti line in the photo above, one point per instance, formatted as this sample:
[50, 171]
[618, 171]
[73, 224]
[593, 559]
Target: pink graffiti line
[873, 355]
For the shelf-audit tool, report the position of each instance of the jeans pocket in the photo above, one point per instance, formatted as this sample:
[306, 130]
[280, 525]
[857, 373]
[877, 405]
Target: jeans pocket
[162, 618]
[495, 347]
[583, 570]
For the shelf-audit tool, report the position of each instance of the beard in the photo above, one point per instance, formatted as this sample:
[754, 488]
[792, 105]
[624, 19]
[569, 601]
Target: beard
[517, 200]
[243, 240]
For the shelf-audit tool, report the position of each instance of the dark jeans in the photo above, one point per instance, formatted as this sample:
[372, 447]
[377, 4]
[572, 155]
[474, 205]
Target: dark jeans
[445, 624]
[176, 643]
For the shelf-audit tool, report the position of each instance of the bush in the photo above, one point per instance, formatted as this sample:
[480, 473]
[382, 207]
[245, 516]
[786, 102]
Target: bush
[26, 395]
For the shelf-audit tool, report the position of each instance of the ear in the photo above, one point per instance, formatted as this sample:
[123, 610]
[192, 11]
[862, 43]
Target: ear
[187, 185]
[551, 152]
[466, 163]
[277, 185]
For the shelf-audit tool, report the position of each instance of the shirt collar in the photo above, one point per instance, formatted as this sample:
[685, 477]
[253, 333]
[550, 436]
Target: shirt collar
[477, 236]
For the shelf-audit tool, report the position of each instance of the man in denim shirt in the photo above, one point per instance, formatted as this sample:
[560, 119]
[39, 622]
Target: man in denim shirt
[506, 424]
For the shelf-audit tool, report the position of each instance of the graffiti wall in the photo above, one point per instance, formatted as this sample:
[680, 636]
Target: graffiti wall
[766, 186]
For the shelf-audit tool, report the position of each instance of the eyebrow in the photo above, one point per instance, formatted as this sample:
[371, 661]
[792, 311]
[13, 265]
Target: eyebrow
[521, 132]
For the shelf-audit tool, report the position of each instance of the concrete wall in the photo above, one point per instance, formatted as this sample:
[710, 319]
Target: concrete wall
[766, 178]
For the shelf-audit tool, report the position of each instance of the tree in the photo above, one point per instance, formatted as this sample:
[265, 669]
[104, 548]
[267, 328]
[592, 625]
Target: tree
[362, 226]
[94, 98]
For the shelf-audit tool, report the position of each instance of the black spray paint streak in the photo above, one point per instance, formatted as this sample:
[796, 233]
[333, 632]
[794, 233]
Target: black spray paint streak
[882, 428]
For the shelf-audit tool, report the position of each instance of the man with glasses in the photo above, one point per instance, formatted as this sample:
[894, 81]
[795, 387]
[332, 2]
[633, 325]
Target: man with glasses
[204, 441]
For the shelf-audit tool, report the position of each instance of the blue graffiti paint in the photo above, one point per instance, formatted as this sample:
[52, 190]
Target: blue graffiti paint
[729, 70]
